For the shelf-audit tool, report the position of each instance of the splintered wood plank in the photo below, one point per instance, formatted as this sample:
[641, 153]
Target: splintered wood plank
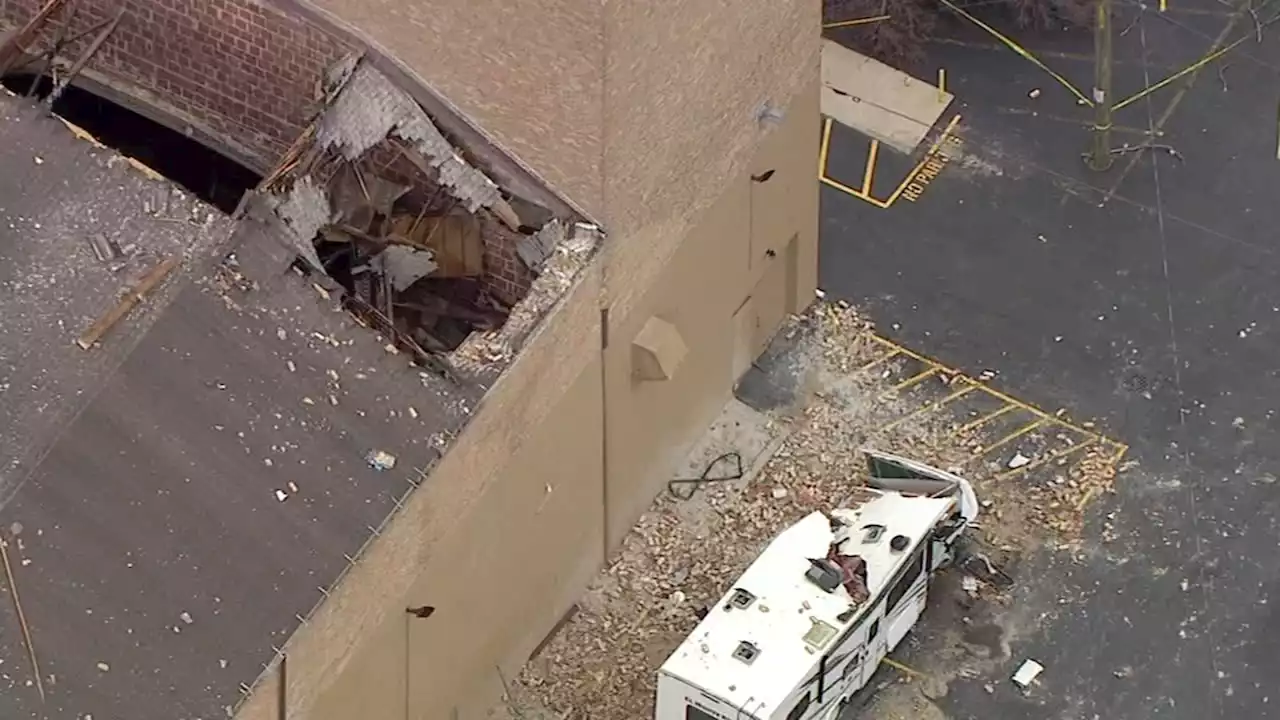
[137, 294]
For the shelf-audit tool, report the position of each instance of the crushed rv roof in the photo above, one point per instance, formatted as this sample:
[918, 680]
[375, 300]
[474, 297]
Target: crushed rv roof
[790, 620]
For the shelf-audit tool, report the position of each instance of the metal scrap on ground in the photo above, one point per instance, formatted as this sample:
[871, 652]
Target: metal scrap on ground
[857, 390]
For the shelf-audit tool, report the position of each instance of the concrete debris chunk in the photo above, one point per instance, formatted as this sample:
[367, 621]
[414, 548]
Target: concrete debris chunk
[380, 460]
[1027, 674]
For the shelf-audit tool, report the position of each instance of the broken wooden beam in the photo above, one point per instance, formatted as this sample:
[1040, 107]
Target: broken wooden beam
[13, 47]
[137, 294]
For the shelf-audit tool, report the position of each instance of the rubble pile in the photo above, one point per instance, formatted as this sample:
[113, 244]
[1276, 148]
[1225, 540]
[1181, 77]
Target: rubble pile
[603, 661]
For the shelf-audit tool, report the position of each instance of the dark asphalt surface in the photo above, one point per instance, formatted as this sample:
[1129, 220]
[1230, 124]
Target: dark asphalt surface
[1154, 309]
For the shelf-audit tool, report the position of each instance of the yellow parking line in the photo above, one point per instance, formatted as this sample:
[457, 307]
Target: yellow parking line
[932, 406]
[826, 147]
[882, 358]
[1047, 459]
[913, 354]
[855, 21]
[850, 191]
[946, 132]
[987, 418]
[901, 667]
[913, 380]
[869, 172]
[1008, 439]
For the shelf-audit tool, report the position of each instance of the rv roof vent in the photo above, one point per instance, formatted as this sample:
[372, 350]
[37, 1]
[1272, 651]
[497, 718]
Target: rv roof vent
[741, 599]
[899, 543]
[824, 573]
[746, 652]
[871, 534]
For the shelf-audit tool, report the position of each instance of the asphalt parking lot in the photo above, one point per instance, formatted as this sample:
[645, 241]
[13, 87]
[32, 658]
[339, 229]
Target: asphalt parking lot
[1143, 298]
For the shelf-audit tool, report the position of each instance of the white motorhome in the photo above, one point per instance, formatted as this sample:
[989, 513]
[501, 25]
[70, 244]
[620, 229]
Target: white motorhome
[810, 620]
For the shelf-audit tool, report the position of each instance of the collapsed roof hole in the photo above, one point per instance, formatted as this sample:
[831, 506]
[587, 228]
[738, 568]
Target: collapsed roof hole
[202, 171]
[437, 313]
[413, 262]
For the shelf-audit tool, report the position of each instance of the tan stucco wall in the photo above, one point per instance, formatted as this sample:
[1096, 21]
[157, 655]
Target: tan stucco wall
[568, 448]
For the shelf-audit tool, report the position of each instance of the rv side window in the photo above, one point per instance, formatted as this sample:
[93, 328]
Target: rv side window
[798, 711]
[693, 713]
[909, 576]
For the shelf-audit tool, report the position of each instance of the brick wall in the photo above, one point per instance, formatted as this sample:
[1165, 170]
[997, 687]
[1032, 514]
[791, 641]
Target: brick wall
[505, 274]
[243, 72]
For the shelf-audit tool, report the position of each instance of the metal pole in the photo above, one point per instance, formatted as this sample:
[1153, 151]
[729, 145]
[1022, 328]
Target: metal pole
[1100, 157]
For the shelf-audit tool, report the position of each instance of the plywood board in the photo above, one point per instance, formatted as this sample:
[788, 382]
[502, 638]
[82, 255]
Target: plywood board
[877, 100]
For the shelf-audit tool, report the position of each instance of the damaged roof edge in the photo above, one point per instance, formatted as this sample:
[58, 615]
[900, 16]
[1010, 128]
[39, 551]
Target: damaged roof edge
[363, 107]
[504, 167]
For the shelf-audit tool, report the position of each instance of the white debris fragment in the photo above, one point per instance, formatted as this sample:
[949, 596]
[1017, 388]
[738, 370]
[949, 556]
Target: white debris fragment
[1237, 423]
[819, 293]
[413, 412]
[380, 460]
[1035, 93]
[185, 617]
[281, 495]
[1027, 673]
[222, 664]
[291, 366]
[103, 667]
[281, 333]
[39, 160]
[1018, 460]
[987, 375]
[293, 487]
[779, 493]
[969, 584]
[308, 401]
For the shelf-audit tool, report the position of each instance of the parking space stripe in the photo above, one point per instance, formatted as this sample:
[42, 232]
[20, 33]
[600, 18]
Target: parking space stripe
[913, 380]
[1051, 457]
[932, 406]
[969, 427]
[1008, 438]
[870, 170]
